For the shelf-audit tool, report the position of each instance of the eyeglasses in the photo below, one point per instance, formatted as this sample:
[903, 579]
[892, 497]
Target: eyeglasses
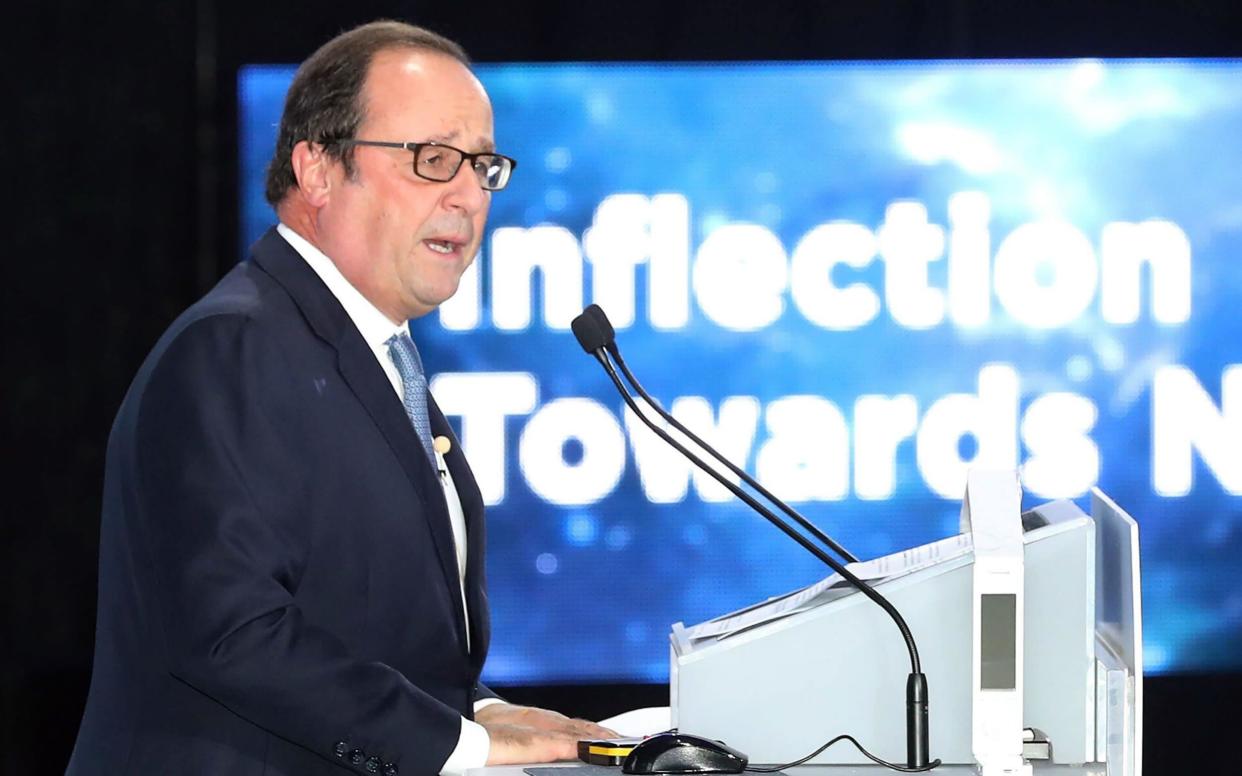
[440, 163]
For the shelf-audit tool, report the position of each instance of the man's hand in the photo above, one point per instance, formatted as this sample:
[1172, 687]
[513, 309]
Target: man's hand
[523, 734]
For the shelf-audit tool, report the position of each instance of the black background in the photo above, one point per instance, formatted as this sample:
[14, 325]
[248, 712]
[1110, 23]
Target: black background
[117, 131]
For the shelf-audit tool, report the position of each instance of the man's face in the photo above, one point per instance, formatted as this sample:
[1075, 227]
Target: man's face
[401, 240]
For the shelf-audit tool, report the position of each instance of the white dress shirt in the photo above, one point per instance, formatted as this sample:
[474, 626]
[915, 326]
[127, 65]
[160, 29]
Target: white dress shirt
[376, 329]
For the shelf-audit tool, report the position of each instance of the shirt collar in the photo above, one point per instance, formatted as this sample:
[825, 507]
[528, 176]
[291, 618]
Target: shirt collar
[375, 327]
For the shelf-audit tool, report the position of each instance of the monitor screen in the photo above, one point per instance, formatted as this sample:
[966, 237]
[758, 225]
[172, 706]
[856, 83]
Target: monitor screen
[857, 280]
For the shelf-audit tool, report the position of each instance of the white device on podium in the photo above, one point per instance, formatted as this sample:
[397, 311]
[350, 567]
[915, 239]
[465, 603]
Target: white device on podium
[992, 515]
[779, 678]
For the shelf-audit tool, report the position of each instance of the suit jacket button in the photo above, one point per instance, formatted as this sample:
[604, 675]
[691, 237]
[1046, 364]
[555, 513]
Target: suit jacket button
[357, 756]
[373, 764]
[390, 769]
[341, 749]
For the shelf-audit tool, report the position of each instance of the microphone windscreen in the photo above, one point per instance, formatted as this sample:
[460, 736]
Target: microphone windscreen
[601, 320]
[590, 336]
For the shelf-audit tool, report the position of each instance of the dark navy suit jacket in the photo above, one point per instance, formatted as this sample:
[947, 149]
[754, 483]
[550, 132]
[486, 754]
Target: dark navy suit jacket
[278, 589]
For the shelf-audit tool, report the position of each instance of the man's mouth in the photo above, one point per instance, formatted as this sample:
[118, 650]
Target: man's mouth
[441, 246]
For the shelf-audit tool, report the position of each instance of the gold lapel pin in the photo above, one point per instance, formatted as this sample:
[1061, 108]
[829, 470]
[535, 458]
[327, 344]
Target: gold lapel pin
[442, 445]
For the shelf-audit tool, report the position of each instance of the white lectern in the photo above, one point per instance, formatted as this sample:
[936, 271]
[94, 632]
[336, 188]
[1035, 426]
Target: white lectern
[778, 679]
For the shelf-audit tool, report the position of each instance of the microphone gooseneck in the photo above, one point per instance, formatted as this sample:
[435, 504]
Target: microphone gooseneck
[605, 328]
[595, 334]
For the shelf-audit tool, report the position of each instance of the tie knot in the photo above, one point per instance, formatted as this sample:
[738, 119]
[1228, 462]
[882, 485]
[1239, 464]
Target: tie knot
[405, 356]
[414, 387]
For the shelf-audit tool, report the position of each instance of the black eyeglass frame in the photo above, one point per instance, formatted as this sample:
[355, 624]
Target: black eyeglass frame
[416, 149]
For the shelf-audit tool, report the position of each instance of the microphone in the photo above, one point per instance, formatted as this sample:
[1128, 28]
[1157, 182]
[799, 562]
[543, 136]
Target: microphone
[591, 333]
[597, 337]
[604, 327]
[610, 334]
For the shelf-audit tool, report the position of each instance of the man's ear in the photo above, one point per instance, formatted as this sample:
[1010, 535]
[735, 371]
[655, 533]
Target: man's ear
[311, 166]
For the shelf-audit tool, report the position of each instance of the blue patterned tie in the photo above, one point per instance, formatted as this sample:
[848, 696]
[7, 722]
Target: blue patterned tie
[414, 386]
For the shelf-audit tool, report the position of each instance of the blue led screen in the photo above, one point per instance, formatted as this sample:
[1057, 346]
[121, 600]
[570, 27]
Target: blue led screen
[858, 280]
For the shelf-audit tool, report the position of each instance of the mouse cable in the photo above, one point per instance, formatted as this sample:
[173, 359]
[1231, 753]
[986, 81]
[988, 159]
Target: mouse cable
[854, 741]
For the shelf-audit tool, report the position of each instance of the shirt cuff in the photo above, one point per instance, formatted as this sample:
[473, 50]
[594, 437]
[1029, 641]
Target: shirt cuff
[483, 703]
[473, 747]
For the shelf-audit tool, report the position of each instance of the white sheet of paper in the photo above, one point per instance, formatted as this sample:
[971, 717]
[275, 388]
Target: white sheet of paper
[833, 586]
[637, 723]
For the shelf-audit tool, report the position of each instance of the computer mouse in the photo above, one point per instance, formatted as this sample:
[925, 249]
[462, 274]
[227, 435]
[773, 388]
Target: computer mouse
[683, 753]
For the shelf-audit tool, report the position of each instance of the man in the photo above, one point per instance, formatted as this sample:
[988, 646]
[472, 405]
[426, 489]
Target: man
[291, 555]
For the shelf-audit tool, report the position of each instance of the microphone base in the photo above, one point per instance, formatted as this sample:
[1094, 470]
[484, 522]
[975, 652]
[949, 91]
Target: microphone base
[918, 743]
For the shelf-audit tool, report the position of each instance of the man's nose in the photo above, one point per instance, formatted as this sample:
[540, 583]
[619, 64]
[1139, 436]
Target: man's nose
[465, 192]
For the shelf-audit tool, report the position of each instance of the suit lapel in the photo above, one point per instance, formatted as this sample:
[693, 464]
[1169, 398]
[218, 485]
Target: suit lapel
[370, 385]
